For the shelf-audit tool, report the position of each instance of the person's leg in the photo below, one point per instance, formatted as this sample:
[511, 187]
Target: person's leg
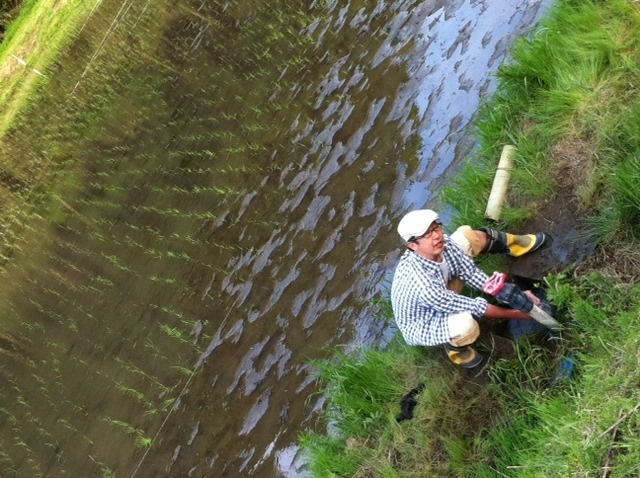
[472, 244]
[476, 241]
[499, 242]
[463, 330]
[469, 240]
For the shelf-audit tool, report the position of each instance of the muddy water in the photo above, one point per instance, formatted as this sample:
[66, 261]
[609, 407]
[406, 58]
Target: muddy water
[209, 192]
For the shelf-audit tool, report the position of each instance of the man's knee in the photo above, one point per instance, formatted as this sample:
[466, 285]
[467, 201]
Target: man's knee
[463, 329]
[472, 242]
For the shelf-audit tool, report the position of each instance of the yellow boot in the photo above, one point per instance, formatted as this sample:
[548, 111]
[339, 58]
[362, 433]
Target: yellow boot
[465, 357]
[526, 243]
[513, 244]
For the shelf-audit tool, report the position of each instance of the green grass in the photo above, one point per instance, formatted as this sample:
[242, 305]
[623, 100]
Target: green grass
[574, 82]
[363, 405]
[31, 45]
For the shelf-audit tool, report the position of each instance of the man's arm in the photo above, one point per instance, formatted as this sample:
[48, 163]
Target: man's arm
[516, 302]
[496, 312]
[464, 266]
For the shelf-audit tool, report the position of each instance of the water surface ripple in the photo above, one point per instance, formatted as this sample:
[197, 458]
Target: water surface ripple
[227, 186]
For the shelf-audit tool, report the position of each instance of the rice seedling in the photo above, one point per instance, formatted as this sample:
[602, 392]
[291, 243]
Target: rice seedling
[104, 469]
[102, 281]
[141, 439]
[132, 368]
[66, 424]
[155, 350]
[8, 416]
[137, 395]
[164, 280]
[174, 333]
[115, 262]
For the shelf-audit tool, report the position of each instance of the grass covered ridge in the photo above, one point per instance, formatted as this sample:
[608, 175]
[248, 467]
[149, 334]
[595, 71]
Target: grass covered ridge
[570, 102]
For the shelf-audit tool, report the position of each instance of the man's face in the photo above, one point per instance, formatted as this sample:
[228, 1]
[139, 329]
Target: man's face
[431, 244]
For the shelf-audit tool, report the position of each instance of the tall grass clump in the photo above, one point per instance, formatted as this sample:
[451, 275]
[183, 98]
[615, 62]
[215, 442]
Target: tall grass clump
[619, 212]
[9, 10]
[364, 435]
[587, 425]
[362, 393]
[619, 205]
[360, 388]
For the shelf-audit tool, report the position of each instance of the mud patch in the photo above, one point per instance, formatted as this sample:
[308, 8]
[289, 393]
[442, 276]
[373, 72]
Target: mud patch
[568, 243]
[561, 217]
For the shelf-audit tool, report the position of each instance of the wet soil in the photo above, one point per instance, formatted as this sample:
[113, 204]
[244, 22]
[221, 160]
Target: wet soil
[568, 243]
[562, 216]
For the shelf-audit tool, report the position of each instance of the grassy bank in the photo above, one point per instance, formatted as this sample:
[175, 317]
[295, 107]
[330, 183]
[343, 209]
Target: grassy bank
[9, 11]
[570, 102]
[32, 43]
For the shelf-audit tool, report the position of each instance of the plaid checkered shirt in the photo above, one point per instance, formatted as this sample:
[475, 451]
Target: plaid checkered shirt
[421, 301]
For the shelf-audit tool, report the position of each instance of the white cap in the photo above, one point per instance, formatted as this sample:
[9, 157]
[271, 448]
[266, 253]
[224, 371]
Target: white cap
[416, 223]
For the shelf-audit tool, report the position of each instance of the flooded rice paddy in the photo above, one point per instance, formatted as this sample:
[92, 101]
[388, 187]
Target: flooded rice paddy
[201, 199]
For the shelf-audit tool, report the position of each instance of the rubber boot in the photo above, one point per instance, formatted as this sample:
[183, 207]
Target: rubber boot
[513, 244]
[465, 357]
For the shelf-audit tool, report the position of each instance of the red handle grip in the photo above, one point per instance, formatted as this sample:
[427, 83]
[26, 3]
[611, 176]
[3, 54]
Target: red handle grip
[495, 283]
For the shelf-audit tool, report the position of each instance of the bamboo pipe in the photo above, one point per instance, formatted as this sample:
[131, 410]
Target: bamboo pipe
[498, 193]
[545, 319]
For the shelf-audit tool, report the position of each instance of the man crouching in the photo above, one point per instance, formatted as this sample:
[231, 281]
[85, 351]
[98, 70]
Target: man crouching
[426, 309]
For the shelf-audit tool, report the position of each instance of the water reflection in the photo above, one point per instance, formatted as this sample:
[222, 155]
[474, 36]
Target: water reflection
[224, 211]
